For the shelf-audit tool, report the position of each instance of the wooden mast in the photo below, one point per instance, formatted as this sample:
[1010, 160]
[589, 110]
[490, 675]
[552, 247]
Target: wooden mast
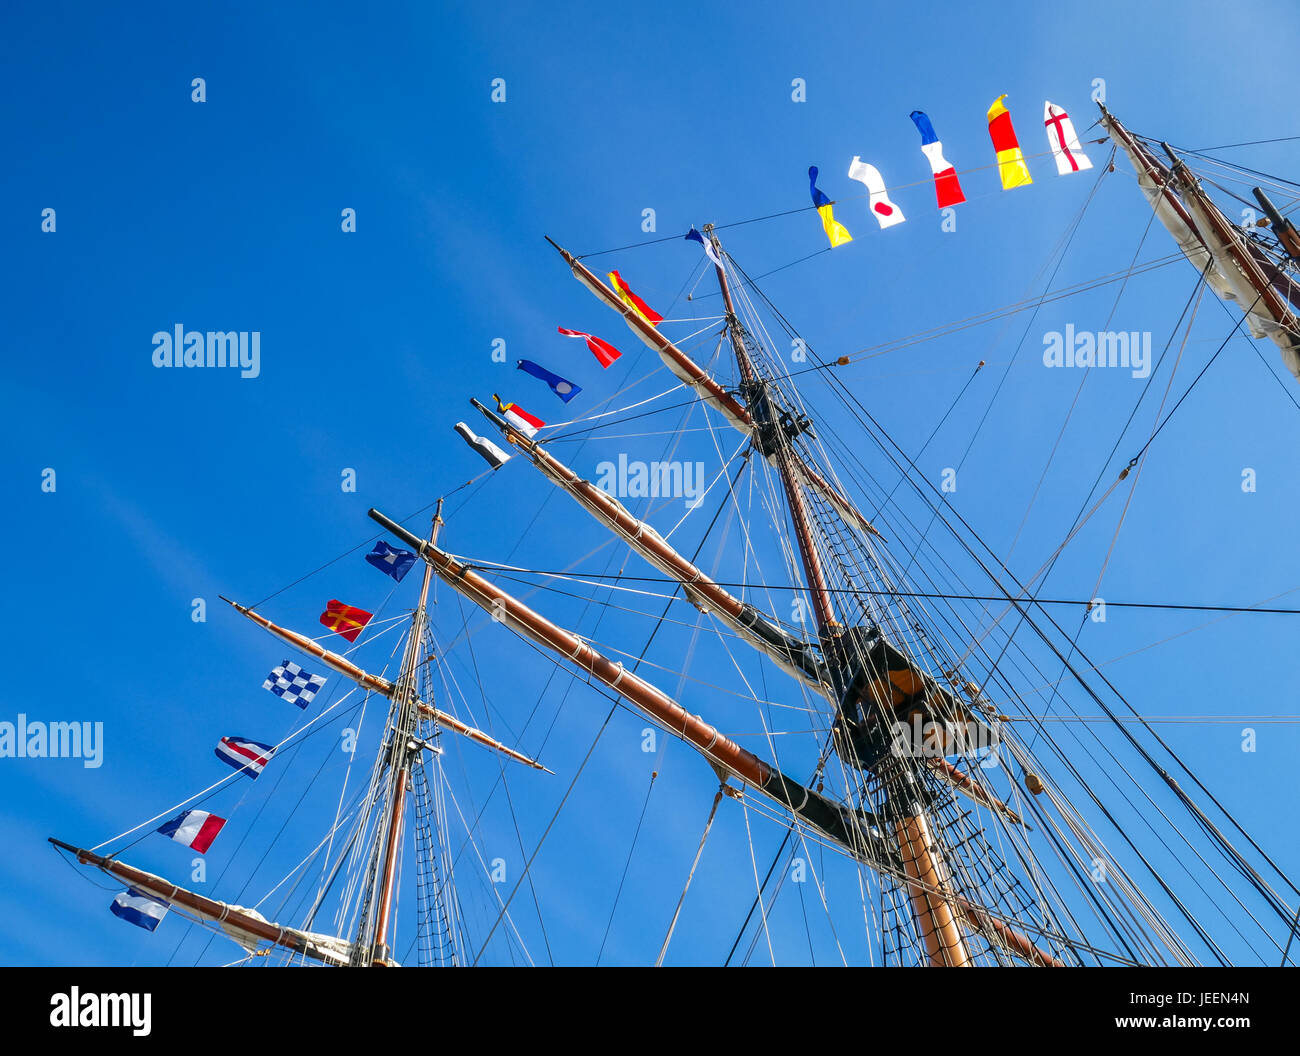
[403, 748]
[934, 915]
[782, 457]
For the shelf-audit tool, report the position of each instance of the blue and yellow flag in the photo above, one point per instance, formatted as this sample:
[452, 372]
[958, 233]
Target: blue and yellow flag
[835, 231]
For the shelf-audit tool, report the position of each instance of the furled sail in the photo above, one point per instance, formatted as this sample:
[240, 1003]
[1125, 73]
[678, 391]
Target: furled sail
[1237, 270]
[246, 926]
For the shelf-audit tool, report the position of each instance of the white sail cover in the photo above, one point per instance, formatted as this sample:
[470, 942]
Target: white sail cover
[1201, 247]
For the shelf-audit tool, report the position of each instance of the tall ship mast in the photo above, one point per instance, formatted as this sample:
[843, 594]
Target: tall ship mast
[928, 782]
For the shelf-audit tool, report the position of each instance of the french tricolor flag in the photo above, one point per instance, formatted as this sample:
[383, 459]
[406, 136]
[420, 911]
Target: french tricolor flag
[139, 909]
[947, 188]
[248, 757]
[194, 828]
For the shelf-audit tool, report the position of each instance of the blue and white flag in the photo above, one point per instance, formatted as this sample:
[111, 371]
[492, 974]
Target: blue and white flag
[139, 909]
[694, 236]
[562, 387]
[390, 560]
[290, 682]
[248, 757]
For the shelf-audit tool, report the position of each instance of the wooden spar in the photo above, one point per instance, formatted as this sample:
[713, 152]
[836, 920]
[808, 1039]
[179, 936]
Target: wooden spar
[972, 789]
[330, 659]
[1217, 226]
[404, 745]
[1207, 223]
[233, 919]
[1282, 227]
[682, 366]
[377, 684]
[783, 458]
[1007, 937]
[707, 595]
[852, 830]
[789, 652]
[1158, 174]
[692, 374]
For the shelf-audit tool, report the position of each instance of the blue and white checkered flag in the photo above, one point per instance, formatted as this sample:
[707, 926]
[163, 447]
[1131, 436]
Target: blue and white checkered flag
[290, 682]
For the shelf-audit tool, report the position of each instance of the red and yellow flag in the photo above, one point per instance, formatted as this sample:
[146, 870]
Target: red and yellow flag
[1011, 162]
[633, 301]
[346, 620]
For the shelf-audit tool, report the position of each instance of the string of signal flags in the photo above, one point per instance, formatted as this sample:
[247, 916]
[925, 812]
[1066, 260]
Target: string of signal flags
[1013, 172]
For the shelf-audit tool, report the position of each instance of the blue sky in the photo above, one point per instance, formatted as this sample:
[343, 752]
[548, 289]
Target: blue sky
[225, 215]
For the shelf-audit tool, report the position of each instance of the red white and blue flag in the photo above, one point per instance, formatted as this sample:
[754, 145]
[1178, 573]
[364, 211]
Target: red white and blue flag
[194, 828]
[947, 188]
[139, 909]
[248, 757]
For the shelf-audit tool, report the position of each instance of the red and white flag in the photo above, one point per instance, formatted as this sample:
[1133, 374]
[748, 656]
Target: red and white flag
[526, 423]
[602, 350]
[1064, 142]
[887, 214]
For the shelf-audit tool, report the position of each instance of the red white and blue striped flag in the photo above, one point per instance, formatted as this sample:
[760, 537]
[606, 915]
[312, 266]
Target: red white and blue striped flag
[248, 757]
[947, 188]
[194, 828]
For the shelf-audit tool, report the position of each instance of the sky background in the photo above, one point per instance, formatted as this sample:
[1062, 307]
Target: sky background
[225, 215]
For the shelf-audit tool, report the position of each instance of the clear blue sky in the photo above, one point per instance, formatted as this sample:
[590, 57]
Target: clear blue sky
[225, 215]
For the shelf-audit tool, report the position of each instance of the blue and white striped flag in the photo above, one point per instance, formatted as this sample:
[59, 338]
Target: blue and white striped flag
[139, 909]
[694, 236]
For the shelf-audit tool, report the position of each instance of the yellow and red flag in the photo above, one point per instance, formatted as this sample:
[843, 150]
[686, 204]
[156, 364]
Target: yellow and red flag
[1011, 162]
[346, 620]
[633, 301]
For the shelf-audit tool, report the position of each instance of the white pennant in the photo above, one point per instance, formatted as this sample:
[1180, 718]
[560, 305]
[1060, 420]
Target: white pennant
[887, 214]
[493, 455]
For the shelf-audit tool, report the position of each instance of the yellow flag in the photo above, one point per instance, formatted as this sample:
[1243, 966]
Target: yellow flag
[835, 231]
